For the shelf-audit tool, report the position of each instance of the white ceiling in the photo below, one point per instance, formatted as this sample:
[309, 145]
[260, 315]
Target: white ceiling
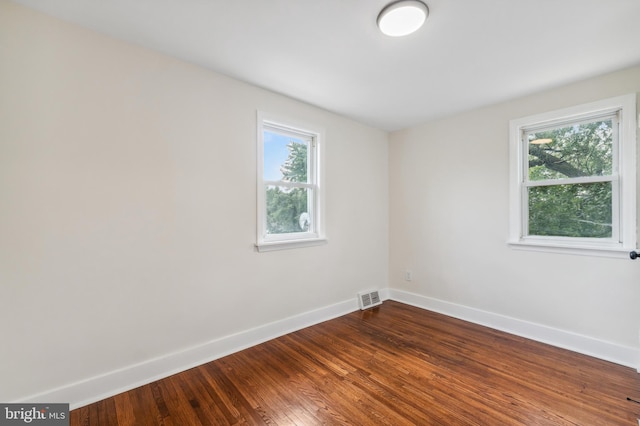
[329, 53]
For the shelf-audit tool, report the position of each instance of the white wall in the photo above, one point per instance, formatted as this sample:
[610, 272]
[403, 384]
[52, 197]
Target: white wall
[128, 208]
[449, 212]
[127, 216]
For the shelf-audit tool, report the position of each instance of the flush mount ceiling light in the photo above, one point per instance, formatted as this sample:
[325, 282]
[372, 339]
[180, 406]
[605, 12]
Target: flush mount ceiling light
[402, 17]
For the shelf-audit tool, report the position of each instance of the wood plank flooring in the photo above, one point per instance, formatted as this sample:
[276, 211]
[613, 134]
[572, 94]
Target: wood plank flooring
[393, 365]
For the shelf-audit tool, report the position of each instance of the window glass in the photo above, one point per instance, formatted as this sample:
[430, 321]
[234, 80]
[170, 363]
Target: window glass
[579, 210]
[286, 164]
[288, 210]
[584, 149]
[560, 203]
[285, 157]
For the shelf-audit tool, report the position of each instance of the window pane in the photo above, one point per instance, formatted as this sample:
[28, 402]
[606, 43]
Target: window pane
[571, 151]
[285, 158]
[287, 210]
[579, 210]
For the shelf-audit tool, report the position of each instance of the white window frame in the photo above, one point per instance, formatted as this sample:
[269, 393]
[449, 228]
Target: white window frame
[315, 235]
[623, 179]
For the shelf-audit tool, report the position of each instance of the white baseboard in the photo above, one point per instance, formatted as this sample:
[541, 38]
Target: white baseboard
[96, 388]
[601, 349]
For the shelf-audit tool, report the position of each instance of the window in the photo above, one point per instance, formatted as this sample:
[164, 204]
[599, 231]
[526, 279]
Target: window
[289, 190]
[573, 179]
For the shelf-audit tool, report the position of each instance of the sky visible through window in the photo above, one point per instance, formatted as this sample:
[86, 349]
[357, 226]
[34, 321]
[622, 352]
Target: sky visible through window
[275, 154]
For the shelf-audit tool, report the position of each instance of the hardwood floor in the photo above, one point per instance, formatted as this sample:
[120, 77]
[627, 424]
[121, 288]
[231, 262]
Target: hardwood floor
[394, 365]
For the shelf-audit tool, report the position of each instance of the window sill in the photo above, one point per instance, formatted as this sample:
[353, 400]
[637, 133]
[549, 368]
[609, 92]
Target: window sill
[290, 244]
[575, 249]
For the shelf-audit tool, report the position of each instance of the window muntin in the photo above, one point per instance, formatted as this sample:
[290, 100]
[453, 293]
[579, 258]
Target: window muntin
[573, 179]
[289, 197]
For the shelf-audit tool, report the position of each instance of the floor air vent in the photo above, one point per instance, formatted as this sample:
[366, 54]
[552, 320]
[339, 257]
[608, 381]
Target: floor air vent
[369, 299]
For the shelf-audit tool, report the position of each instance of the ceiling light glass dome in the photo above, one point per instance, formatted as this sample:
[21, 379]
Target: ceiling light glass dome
[402, 18]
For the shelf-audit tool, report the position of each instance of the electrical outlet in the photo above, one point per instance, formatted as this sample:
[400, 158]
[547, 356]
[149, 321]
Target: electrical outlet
[408, 275]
